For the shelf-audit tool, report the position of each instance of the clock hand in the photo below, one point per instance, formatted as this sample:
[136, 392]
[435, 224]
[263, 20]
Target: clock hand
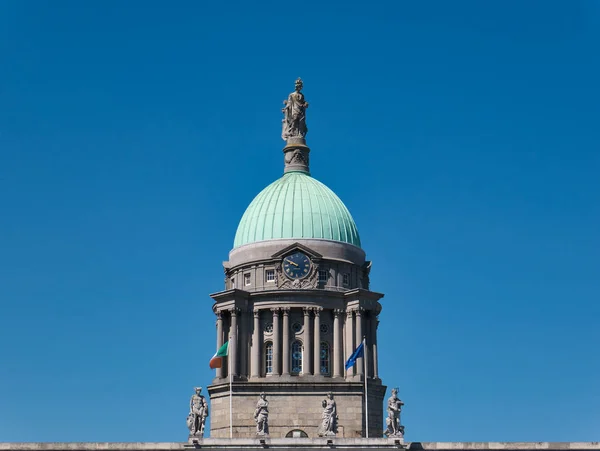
[291, 262]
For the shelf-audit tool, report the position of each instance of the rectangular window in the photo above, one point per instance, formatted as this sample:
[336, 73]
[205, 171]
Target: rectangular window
[269, 358]
[346, 279]
[324, 357]
[296, 357]
[270, 275]
[247, 279]
[323, 275]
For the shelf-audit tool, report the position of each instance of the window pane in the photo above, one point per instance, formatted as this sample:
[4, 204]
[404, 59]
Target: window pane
[269, 358]
[296, 357]
[270, 275]
[324, 358]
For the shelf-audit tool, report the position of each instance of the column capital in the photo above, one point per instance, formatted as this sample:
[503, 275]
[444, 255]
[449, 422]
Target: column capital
[317, 310]
[360, 310]
[337, 312]
[276, 310]
[306, 310]
[234, 311]
[349, 312]
[219, 314]
[256, 313]
[285, 310]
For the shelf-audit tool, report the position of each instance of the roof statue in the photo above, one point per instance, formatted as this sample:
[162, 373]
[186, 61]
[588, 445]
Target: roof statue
[329, 417]
[394, 408]
[196, 419]
[261, 415]
[294, 114]
[293, 131]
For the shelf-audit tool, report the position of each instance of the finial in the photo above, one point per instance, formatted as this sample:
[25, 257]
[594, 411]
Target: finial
[294, 130]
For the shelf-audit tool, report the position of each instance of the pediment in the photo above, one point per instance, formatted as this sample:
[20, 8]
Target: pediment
[297, 247]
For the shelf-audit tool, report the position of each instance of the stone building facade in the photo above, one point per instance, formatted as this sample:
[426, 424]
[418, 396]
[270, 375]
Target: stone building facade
[296, 304]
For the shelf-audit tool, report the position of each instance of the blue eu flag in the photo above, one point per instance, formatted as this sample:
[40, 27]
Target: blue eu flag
[358, 352]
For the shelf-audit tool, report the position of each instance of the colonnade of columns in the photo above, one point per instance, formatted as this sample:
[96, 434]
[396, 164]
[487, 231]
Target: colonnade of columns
[349, 327]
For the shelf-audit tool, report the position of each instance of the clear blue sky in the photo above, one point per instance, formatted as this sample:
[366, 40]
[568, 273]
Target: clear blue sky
[462, 136]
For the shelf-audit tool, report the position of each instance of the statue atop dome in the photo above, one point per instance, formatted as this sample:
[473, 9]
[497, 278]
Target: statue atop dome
[294, 114]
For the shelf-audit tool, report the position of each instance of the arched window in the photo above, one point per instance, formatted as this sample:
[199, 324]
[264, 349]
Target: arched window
[296, 357]
[324, 358]
[268, 357]
[296, 433]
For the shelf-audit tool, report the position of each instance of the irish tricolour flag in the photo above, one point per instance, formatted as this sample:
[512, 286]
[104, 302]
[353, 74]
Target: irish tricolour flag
[217, 359]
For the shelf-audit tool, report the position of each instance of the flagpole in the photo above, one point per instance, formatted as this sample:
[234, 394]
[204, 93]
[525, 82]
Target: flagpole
[366, 393]
[230, 391]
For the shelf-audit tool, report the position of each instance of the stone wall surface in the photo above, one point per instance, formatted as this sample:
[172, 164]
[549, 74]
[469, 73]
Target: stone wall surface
[295, 406]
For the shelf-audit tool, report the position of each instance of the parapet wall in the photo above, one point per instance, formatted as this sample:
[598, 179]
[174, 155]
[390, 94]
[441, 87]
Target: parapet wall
[301, 444]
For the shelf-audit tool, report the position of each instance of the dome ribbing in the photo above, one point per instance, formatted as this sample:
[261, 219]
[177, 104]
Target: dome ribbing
[296, 206]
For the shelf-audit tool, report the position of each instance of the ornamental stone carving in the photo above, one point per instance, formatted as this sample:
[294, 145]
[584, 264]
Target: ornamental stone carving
[394, 408]
[329, 417]
[198, 413]
[308, 282]
[261, 415]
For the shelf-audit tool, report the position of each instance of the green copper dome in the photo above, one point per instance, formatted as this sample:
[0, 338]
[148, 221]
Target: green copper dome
[296, 206]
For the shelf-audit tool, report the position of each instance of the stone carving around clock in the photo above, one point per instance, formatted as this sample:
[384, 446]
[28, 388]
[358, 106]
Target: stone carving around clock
[310, 280]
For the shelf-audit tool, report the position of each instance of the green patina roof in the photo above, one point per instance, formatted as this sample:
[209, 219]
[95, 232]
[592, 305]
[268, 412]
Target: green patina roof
[296, 206]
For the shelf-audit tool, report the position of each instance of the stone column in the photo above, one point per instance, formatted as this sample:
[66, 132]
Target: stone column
[307, 355]
[243, 343]
[233, 369]
[256, 346]
[367, 334]
[349, 339]
[317, 341]
[219, 339]
[276, 343]
[337, 352]
[286, 342]
[374, 324]
[359, 336]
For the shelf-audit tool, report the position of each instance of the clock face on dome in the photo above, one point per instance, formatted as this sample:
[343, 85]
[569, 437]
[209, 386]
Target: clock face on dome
[296, 265]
